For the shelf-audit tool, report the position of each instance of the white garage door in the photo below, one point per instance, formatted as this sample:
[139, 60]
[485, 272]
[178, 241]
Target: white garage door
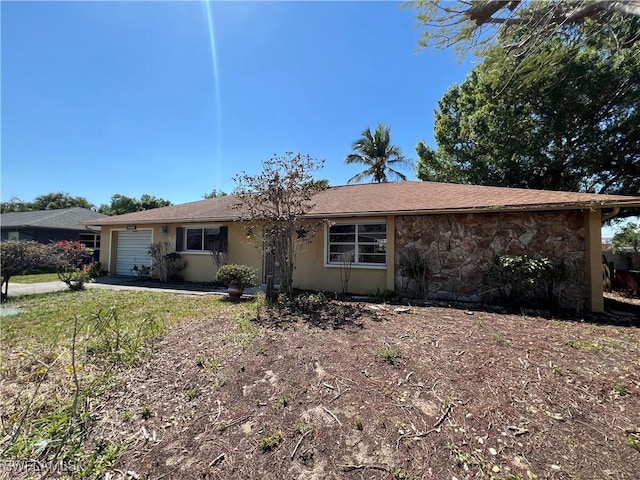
[133, 249]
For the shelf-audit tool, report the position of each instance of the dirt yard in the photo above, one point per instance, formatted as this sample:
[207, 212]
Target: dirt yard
[360, 391]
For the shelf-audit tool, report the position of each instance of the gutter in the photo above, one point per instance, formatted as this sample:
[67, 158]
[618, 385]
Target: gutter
[612, 214]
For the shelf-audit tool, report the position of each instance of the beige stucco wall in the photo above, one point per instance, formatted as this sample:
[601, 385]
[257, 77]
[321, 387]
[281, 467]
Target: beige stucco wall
[460, 250]
[200, 266]
[312, 274]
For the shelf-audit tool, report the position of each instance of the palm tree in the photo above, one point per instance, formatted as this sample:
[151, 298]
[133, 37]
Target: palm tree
[374, 150]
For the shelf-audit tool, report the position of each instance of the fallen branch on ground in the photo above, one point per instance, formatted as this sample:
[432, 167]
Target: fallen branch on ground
[293, 453]
[333, 415]
[444, 416]
[219, 458]
[349, 468]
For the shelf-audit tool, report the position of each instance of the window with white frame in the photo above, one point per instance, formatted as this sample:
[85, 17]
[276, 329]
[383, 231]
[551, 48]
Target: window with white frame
[203, 238]
[90, 240]
[357, 243]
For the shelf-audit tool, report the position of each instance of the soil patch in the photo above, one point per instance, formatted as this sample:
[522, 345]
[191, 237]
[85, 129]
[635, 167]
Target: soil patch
[357, 391]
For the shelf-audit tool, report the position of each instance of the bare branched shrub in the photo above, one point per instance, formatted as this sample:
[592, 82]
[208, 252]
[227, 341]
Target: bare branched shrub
[219, 251]
[414, 265]
[279, 199]
[17, 257]
[167, 264]
[346, 262]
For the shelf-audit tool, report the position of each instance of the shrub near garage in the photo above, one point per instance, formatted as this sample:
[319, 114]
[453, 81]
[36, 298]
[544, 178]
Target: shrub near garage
[71, 260]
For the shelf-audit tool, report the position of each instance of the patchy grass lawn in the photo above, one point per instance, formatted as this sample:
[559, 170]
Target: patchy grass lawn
[63, 351]
[34, 278]
[49, 317]
[342, 390]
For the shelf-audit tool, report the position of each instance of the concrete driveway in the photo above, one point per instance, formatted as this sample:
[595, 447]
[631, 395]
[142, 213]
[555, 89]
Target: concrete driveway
[114, 283]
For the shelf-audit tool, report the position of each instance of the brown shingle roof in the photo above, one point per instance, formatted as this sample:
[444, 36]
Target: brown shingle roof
[392, 198]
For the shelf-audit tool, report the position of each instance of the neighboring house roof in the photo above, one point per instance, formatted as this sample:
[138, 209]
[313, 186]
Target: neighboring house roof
[63, 219]
[391, 198]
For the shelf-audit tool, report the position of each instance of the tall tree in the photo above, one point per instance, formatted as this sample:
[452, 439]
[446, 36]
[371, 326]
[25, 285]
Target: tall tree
[56, 200]
[627, 238]
[479, 24]
[375, 151]
[215, 193]
[577, 130]
[121, 204]
[278, 199]
[149, 202]
[15, 205]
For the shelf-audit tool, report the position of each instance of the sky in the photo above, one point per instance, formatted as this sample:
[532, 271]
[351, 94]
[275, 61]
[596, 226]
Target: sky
[175, 98]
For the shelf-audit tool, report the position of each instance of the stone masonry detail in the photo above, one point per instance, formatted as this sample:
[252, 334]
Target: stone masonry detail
[460, 249]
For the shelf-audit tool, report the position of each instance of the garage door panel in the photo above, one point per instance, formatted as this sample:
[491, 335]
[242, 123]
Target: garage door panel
[132, 249]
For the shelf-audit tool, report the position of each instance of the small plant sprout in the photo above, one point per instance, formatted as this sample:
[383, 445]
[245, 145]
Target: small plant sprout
[282, 402]
[620, 390]
[389, 354]
[501, 340]
[146, 412]
[268, 443]
[192, 393]
[301, 428]
[357, 424]
[633, 440]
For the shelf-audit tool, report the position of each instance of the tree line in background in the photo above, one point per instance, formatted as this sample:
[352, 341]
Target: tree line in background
[119, 204]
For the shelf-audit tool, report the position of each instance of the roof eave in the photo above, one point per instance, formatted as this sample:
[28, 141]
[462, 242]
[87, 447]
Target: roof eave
[170, 221]
[590, 205]
[485, 209]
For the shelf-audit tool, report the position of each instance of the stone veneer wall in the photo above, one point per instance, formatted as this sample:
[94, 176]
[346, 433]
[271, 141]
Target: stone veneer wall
[460, 249]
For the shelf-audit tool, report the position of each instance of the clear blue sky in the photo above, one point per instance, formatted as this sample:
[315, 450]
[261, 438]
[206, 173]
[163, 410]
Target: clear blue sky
[143, 97]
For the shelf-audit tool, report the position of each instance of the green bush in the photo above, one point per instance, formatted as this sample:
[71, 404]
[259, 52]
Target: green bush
[521, 280]
[238, 275]
[18, 257]
[71, 259]
[93, 269]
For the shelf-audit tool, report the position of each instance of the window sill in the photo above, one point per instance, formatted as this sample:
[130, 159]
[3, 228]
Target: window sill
[357, 265]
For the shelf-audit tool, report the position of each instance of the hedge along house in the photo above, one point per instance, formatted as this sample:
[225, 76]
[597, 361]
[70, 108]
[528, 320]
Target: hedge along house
[459, 229]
